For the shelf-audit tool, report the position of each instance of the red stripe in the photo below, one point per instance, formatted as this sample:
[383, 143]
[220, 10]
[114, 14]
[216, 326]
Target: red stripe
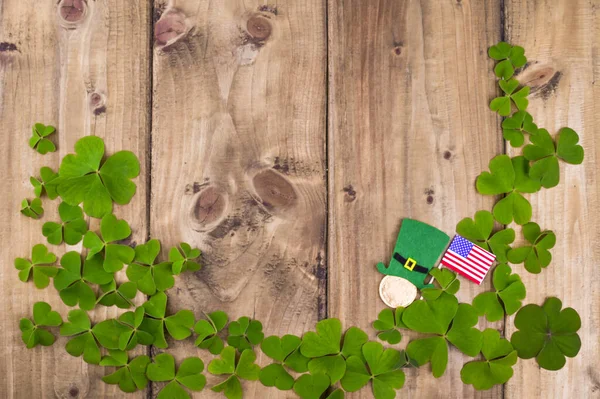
[461, 273]
[465, 263]
[485, 253]
[478, 255]
[464, 268]
[479, 262]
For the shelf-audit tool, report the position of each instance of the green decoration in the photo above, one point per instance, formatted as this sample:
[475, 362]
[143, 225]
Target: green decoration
[32, 332]
[479, 231]
[32, 209]
[48, 183]
[509, 57]
[189, 375]
[121, 296]
[286, 350]
[245, 333]
[183, 258]
[39, 266]
[115, 255]
[84, 178]
[208, 330]
[507, 299]
[325, 341]
[39, 140]
[226, 364]
[130, 374]
[72, 228]
[503, 104]
[547, 333]
[134, 335]
[535, 256]
[179, 326]
[334, 366]
[387, 324]
[275, 375]
[419, 246]
[148, 275]
[447, 281]
[311, 386]
[515, 127]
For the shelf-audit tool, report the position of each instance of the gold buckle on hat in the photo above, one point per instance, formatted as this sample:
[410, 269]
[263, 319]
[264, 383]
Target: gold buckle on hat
[410, 264]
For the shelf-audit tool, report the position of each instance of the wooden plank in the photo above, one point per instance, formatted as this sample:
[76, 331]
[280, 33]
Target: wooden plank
[83, 67]
[409, 133]
[238, 159]
[561, 41]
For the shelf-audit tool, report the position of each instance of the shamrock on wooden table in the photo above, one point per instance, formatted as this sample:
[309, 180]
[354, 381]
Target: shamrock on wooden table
[511, 177]
[134, 335]
[149, 276]
[183, 258]
[387, 324]
[515, 127]
[503, 104]
[130, 374]
[281, 350]
[510, 291]
[189, 375]
[245, 333]
[38, 266]
[448, 321]
[120, 296]
[32, 332]
[72, 228]
[32, 209]
[496, 369]
[39, 140]
[242, 367]
[84, 178]
[537, 255]
[547, 333]
[479, 231]
[73, 279]
[207, 331]
[447, 282]
[179, 325]
[85, 338]
[510, 57]
[115, 255]
[545, 154]
[48, 183]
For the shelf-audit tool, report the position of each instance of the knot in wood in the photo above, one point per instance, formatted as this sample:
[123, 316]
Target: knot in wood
[274, 190]
[73, 391]
[97, 103]
[209, 206]
[72, 12]
[170, 27]
[258, 27]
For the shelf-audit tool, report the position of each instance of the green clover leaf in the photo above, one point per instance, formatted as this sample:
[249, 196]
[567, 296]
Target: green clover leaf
[149, 276]
[545, 154]
[334, 366]
[286, 350]
[32, 209]
[337, 394]
[189, 375]
[179, 326]
[511, 177]
[43, 316]
[121, 296]
[115, 255]
[479, 231]
[72, 228]
[207, 331]
[496, 368]
[462, 334]
[510, 57]
[547, 333]
[387, 324]
[48, 183]
[447, 281]
[275, 375]
[38, 140]
[225, 364]
[134, 335]
[245, 333]
[510, 291]
[537, 255]
[85, 178]
[515, 127]
[354, 339]
[183, 257]
[38, 266]
[130, 374]
[503, 104]
[73, 281]
[325, 341]
[311, 386]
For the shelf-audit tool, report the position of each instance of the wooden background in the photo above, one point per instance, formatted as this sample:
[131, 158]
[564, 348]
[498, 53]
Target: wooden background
[287, 140]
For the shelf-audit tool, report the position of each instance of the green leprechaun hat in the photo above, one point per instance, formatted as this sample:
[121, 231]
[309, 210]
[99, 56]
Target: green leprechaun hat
[417, 250]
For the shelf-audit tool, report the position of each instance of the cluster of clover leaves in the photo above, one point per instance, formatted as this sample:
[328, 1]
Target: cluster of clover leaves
[326, 362]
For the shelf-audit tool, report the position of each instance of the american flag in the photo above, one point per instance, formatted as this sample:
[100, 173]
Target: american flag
[468, 259]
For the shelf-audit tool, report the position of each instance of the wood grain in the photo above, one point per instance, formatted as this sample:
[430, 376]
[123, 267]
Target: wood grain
[238, 159]
[409, 131]
[561, 40]
[83, 67]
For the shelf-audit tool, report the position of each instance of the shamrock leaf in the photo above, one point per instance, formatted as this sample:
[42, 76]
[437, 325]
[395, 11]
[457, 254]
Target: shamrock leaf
[497, 366]
[275, 375]
[545, 154]
[72, 228]
[354, 339]
[286, 350]
[189, 375]
[43, 316]
[510, 57]
[383, 371]
[48, 183]
[547, 333]
[325, 341]
[73, 281]
[479, 231]
[133, 335]
[513, 128]
[387, 324]
[38, 140]
[503, 105]
[130, 374]
[447, 282]
[121, 296]
[462, 334]
[537, 255]
[510, 291]
[85, 178]
[38, 266]
[183, 257]
[334, 366]
[115, 255]
[311, 386]
[337, 394]
[511, 177]
[178, 325]
[149, 276]
[432, 317]
[225, 364]
[32, 209]
[207, 331]
[245, 333]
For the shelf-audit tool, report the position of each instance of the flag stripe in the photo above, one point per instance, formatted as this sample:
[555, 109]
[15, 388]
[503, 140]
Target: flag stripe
[484, 253]
[468, 259]
[462, 273]
[476, 268]
[458, 261]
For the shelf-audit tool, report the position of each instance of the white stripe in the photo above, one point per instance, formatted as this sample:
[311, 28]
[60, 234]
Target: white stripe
[457, 260]
[468, 262]
[481, 262]
[484, 253]
[462, 269]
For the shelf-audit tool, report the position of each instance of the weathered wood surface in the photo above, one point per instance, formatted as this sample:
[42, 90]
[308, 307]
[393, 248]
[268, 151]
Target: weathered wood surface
[288, 141]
